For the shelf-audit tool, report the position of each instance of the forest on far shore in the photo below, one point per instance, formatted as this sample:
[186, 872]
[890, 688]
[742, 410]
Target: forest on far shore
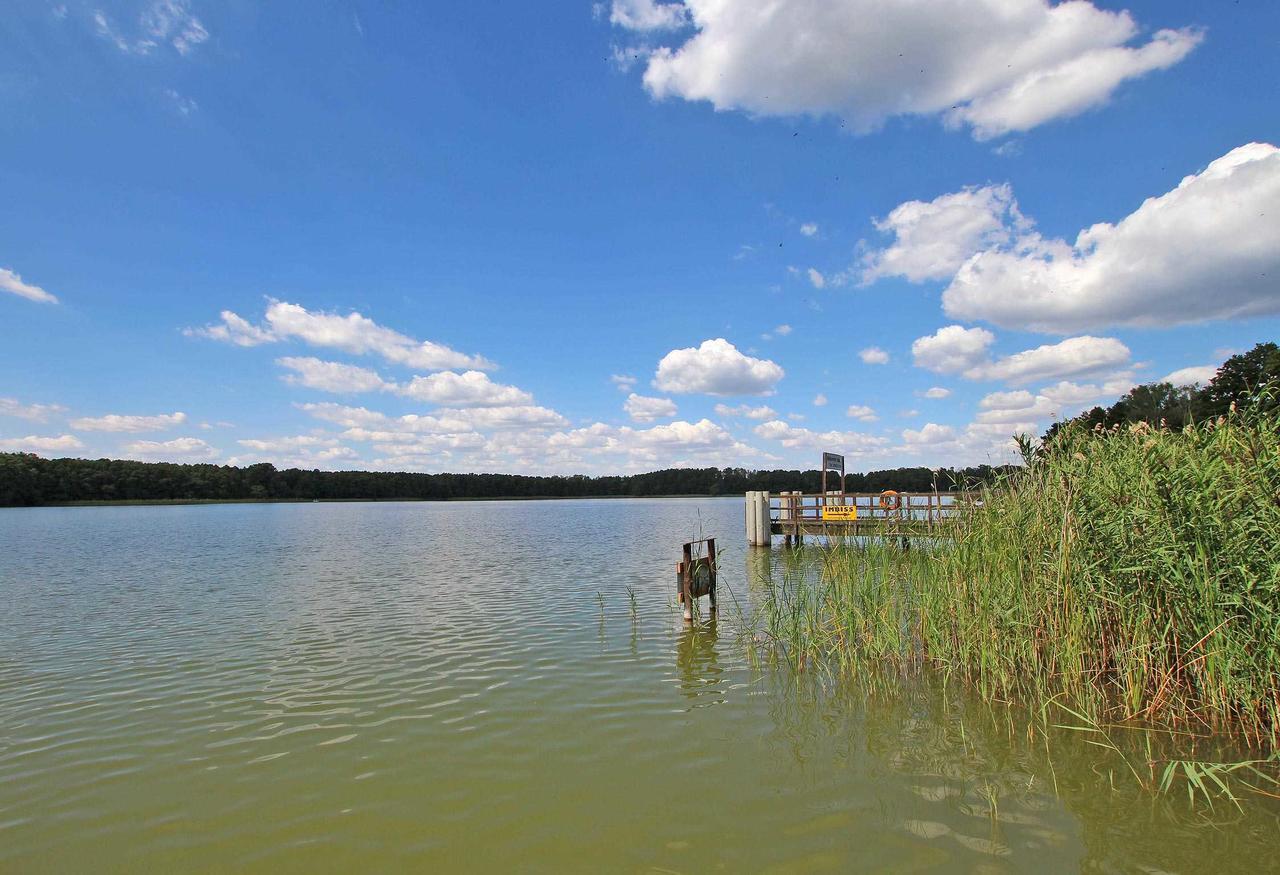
[28, 480]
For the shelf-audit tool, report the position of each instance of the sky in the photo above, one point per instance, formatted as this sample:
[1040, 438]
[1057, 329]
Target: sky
[575, 237]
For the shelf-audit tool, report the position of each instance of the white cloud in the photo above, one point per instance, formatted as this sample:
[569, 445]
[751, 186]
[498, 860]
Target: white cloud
[32, 412]
[1208, 249]
[932, 240]
[648, 15]
[761, 412]
[716, 368]
[624, 382]
[819, 400]
[287, 444]
[952, 349]
[468, 389]
[1068, 358]
[816, 279]
[12, 283]
[351, 333]
[643, 408]
[179, 450]
[36, 444]
[234, 329]
[782, 330]
[443, 421]
[965, 351]
[118, 422]
[809, 229]
[296, 451]
[874, 355]
[850, 443]
[1020, 410]
[929, 434]
[935, 393]
[993, 66]
[1192, 376]
[163, 22]
[862, 413]
[1070, 396]
[331, 376]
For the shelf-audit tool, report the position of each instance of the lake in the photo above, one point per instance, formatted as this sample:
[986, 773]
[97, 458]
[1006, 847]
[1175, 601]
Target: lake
[495, 686]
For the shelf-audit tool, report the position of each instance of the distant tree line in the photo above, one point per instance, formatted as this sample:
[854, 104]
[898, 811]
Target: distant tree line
[27, 480]
[1250, 380]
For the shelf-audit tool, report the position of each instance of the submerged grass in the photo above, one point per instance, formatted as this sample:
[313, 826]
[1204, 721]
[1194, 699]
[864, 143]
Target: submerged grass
[1131, 576]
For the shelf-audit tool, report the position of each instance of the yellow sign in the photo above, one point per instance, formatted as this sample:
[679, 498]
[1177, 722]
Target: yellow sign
[840, 512]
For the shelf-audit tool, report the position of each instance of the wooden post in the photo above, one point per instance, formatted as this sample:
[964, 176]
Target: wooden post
[758, 523]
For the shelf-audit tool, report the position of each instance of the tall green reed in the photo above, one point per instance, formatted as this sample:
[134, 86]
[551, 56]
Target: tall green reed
[1132, 572]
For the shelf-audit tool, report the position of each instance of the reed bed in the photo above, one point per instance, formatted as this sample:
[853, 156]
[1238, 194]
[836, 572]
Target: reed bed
[1130, 575]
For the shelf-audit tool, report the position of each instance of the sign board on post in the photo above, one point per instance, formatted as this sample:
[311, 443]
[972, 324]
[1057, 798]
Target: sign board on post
[840, 512]
[832, 462]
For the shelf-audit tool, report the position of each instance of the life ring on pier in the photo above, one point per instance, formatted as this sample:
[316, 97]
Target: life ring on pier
[890, 500]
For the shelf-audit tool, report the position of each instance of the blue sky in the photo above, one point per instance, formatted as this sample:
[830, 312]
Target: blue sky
[777, 227]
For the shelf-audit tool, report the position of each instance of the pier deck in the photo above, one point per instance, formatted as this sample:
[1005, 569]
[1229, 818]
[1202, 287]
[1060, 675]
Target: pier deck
[793, 515]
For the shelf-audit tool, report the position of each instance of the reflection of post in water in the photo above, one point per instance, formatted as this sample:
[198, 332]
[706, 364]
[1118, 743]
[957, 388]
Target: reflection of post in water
[698, 662]
[759, 572]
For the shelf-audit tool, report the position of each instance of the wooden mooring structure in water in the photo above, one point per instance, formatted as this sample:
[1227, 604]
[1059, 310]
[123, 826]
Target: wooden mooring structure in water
[889, 514]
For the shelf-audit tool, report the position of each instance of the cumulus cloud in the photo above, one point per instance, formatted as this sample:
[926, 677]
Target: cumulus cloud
[761, 412]
[929, 434]
[643, 408]
[12, 283]
[37, 444]
[1196, 375]
[862, 413]
[352, 333]
[32, 412]
[716, 368]
[179, 449]
[1208, 249]
[119, 422]
[331, 376]
[994, 66]
[816, 279]
[874, 355]
[819, 400]
[623, 382]
[1021, 410]
[953, 349]
[966, 351]
[295, 451]
[850, 443]
[782, 330]
[935, 393]
[809, 229]
[442, 421]
[468, 389]
[932, 239]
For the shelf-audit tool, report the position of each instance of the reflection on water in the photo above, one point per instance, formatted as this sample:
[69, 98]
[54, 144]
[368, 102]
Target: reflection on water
[701, 675]
[466, 687]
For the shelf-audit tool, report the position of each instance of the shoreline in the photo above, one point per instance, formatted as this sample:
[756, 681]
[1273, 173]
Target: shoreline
[168, 502]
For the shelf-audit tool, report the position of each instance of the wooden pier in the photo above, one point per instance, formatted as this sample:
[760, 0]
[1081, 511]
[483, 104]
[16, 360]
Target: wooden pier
[793, 515]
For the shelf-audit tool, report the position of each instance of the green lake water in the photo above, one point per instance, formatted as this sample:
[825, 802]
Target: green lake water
[472, 687]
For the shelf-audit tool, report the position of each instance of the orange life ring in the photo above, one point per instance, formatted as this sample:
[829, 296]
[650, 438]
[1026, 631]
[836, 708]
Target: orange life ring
[890, 500]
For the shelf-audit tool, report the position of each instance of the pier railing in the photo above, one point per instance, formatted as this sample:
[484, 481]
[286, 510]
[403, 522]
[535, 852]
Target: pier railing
[796, 514]
[923, 507]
